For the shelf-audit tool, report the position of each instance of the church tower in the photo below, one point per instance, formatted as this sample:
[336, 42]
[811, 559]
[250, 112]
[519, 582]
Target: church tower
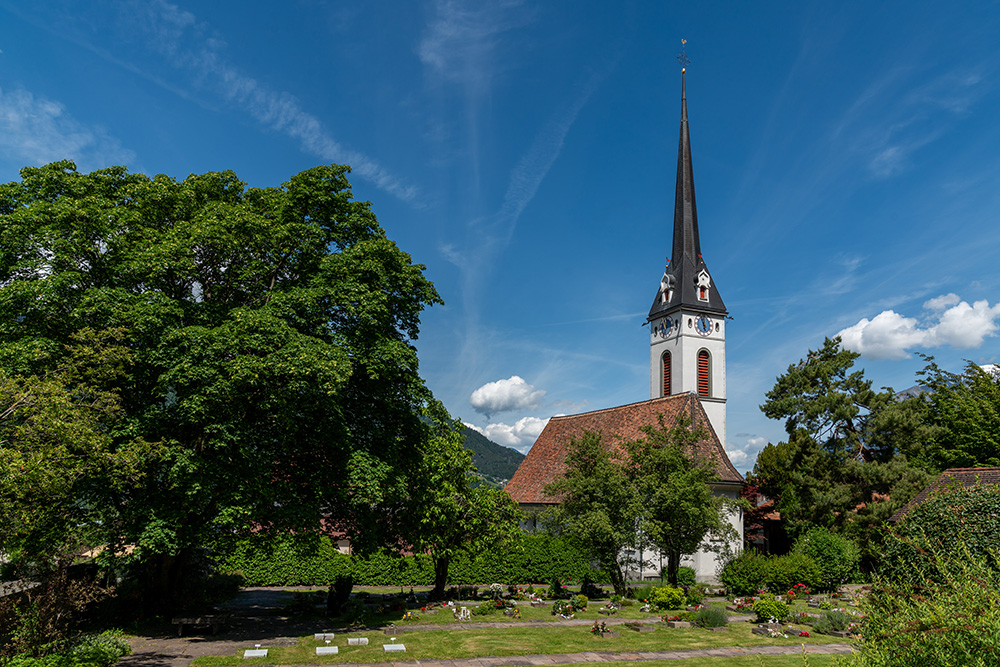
[687, 322]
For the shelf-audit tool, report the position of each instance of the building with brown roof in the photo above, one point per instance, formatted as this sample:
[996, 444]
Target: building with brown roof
[687, 343]
[950, 479]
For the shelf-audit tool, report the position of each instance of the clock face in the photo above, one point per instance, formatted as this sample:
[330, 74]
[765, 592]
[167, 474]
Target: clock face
[703, 324]
[664, 327]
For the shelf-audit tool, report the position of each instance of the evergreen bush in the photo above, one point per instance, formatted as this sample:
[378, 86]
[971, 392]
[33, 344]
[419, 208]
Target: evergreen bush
[783, 572]
[745, 574]
[308, 560]
[667, 597]
[768, 609]
[836, 555]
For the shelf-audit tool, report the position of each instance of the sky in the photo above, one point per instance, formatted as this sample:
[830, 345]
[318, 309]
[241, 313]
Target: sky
[846, 161]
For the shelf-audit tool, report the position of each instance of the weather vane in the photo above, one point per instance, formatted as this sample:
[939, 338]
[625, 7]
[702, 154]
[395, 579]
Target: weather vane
[682, 57]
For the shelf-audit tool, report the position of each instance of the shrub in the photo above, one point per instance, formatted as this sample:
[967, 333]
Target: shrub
[958, 523]
[783, 572]
[643, 592]
[486, 608]
[836, 556]
[696, 594]
[768, 609]
[685, 576]
[831, 621]
[710, 617]
[744, 574]
[579, 602]
[950, 616]
[667, 597]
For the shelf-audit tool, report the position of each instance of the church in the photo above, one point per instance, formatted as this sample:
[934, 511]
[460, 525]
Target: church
[687, 373]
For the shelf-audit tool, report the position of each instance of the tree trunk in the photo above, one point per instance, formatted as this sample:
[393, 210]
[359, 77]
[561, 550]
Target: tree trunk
[440, 576]
[617, 578]
[673, 568]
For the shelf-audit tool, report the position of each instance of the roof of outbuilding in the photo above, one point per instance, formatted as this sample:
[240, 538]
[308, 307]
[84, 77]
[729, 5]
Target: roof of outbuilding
[951, 478]
[545, 462]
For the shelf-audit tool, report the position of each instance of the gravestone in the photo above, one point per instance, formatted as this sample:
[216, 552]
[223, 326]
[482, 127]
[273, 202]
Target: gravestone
[255, 653]
[327, 650]
[609, 633]
[322, 636]
[678, 624]
[357, 641]
[394, 648]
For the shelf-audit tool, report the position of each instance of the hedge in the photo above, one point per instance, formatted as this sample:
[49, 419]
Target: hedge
[293, 560]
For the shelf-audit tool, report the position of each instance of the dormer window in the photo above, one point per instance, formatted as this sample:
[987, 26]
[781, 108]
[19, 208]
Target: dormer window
[702, 283]
[666, 288]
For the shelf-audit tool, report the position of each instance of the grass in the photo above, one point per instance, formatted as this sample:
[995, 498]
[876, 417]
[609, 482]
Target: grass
[504, 640]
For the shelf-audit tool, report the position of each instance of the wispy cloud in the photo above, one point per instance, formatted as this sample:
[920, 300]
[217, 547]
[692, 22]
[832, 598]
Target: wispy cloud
[892, 119]
[37, 130]
[461, 38]
[194, 47]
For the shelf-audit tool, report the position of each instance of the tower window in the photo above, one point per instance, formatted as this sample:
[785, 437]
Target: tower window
[704, 366]
[666, 374]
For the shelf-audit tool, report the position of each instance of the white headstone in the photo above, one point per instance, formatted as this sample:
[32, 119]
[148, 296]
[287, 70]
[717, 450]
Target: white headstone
[322, 636]
[327, 650]
[255, 653]
[394, 648]
[357, 641]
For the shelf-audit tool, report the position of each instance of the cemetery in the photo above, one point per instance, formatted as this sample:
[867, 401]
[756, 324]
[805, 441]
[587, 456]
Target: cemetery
[379, 621]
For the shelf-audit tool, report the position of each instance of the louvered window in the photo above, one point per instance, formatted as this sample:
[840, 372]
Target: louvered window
[704, 387]
[666, 374]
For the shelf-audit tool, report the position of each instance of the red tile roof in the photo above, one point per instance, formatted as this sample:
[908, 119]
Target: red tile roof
[951, 478]
[545, 462]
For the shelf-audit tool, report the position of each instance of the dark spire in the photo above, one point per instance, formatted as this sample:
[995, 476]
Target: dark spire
[681, 277]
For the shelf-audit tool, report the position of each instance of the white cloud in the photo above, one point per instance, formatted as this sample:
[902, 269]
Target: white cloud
[519, 435]
[503, 395]
[744, 456]
[942, 302]
[37, 130]
[952, 322]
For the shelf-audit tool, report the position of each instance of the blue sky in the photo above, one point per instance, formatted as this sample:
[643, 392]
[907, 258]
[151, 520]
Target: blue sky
[846, 159]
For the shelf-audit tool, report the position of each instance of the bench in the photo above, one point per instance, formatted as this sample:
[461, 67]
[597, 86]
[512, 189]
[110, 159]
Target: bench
[211, 621]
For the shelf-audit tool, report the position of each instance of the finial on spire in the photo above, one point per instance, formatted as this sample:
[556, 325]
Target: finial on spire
[682, 57]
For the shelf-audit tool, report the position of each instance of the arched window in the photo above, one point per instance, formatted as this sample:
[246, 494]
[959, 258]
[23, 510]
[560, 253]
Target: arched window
[704, 368]
[666, 374]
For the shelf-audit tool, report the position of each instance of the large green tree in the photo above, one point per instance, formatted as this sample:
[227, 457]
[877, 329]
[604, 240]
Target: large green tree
[681, 513]
[270, 337]
[599, 506]
[962, 415]
[450, 514]
[844, 464]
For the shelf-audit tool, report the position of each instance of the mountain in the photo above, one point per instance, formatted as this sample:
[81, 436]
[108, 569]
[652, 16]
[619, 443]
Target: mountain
[496, 463]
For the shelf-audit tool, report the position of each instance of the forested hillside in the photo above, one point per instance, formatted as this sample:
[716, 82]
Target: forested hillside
[495, 463]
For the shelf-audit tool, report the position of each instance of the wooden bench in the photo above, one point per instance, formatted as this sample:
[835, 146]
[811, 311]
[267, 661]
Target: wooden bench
[211, 621]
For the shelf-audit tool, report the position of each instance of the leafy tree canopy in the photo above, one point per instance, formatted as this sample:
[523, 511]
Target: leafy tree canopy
[599, 505]
[844, 464]
[268, 333]
[962, 414]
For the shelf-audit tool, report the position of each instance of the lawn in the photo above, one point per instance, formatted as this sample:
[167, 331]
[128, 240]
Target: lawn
[505, 640]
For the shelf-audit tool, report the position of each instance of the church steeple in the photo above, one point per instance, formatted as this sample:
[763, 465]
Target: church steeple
[687, 321]
[686, 280]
